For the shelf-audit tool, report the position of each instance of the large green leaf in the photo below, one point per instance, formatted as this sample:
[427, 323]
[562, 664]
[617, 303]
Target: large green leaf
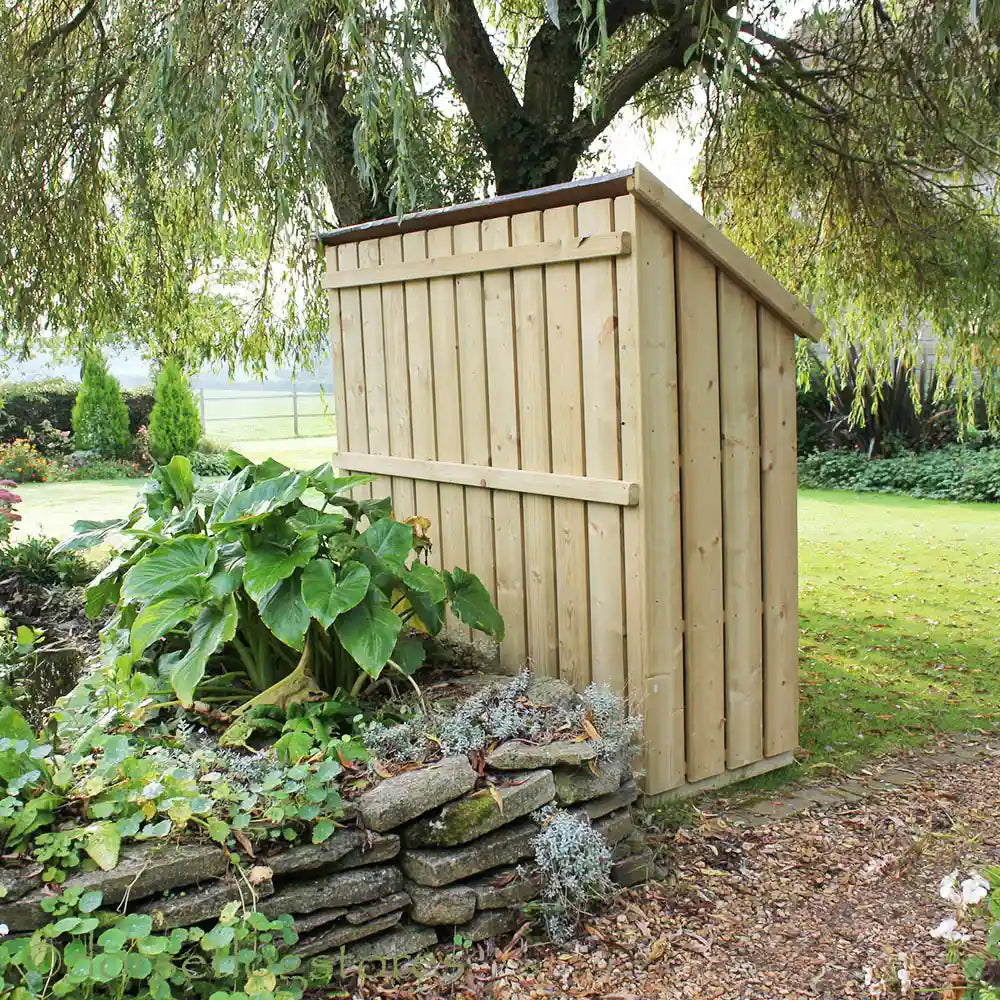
[328, 593]
[207, 634]
[308, 520]
[178, 477]
[324, 478]
[269, 564]
[391, 541]
[471, 603]
[285, 613]
[425, 579]
[103, 842]
[156, 620]
[430, 613]
[409, 654]
[368, 632]
[227, 491]
[87, 534]
[262, 497]
[180, 565]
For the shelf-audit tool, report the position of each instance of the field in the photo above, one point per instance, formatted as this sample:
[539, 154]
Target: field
[261, 414]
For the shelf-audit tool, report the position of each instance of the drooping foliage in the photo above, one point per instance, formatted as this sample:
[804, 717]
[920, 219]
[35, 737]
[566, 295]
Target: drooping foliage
[174, 424]
[246, 576]
[166, 164]
[100, 416]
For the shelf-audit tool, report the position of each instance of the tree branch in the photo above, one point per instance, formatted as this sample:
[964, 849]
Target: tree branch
[39, 48]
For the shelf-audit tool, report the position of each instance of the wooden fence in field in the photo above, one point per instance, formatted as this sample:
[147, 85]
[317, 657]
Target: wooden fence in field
[591, 393]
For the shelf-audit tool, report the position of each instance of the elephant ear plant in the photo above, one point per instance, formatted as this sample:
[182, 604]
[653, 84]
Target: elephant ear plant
[275, 573]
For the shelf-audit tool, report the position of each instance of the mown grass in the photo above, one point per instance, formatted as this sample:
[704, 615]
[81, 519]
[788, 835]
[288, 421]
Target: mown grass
[899, 636]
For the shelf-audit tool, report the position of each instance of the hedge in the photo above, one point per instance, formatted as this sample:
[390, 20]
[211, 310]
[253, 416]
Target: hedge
[958, 472]
[27, 404]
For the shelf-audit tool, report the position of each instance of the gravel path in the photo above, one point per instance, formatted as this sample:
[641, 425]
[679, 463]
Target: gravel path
[795, 907]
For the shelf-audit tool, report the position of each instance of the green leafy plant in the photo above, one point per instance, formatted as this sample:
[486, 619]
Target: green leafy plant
[21, 463]
[36, 560]
[246, 574]
[83, 467]
[100, 416]
[209, 464]
[174, 425]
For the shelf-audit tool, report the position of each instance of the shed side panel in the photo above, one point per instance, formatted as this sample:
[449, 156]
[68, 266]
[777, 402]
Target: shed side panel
[602, 450]
[450, 537]
[397, 377]
[779, 534]
[356, 424]
[701, 507]
[475, 407]
[562, 316]
[505, 446]
[662, 692]
[373, 346]
[741, 523]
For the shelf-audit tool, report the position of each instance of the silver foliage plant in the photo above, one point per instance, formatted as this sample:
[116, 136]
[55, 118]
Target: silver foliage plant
[574, 862]
[499, 712]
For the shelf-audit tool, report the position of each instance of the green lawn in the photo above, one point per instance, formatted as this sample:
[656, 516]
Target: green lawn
[899, 621]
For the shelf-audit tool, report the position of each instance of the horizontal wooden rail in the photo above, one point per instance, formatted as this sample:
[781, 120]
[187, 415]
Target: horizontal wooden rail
[505, 258]
[610, 491]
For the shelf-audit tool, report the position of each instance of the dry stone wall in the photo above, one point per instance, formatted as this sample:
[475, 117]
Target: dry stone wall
[434, 850]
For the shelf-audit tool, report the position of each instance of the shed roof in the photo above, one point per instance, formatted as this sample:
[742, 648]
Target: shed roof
[648, 189]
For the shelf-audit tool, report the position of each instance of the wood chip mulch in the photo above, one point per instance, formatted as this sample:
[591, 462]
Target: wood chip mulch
[799, 907]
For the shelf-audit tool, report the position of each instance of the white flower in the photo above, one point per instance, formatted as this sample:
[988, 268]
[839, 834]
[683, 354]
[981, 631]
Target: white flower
[948, 930]
[152, 790]
[905, 979]
[949, 889]
[4, 930]
[974, 889]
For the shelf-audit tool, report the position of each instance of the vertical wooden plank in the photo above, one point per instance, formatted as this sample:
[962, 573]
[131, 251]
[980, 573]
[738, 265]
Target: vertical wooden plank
[418, 341]
[447, 402]
[475, 408]
[374, 353]
[660, 496]
[599, 357]
[504, 445]
[741, 523]
[355, 389]
[536, 456]
[630, 432]
[776, 347]
[397, 376]
[701, 499]
[336, 360]
[562, 304]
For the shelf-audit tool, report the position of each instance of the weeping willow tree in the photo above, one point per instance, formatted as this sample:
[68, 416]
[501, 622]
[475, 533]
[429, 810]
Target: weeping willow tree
[167, 162]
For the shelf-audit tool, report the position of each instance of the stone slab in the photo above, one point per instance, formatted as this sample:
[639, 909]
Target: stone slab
[336, 937]
[633, 870]
[16, 882]
[441, 907]
[488, 924]
[197, 905]
[338, 889]
[618, 799]
[515, 755]
[142, 871]
[377, 848]
[406, 796]
[442, 866]
[362, 914]
[615, 827]
[474, 815]
[581, 784]
[405, 940]
[505, 888]
[316, 857]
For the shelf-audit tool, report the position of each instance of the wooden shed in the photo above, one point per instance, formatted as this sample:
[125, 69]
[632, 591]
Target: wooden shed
[590, 392]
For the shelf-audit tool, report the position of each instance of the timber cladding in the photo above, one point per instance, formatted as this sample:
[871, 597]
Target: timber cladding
[591, 394]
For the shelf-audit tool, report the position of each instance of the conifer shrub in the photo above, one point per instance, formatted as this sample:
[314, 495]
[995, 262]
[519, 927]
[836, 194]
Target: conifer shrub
[100, 416]
[174, 424]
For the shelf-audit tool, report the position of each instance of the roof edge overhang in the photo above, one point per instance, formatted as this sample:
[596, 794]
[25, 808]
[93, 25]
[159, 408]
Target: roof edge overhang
[648, 189]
